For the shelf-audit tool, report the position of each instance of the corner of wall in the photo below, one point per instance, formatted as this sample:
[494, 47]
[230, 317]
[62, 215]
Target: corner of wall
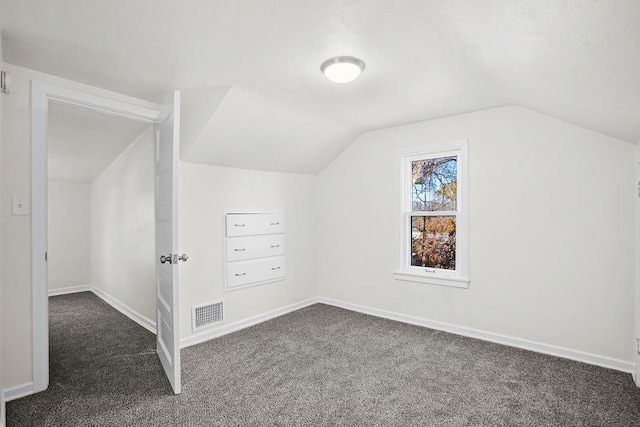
[197, 111]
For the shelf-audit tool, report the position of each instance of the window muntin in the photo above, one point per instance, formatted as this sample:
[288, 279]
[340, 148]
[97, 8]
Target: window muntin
[433, 217]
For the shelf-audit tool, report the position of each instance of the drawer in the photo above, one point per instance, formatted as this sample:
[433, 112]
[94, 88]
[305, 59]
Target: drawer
[241, 273]
[248, 247]
[254, 223]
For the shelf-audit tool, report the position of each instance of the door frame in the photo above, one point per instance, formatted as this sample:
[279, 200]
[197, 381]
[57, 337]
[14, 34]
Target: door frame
[41, 94]
[636, 344]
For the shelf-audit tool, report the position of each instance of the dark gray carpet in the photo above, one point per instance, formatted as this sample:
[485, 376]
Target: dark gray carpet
[317, 366]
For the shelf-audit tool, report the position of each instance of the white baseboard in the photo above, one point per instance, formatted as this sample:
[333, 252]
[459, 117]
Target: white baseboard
[242, 324]
[580, 356]
[69, 290]
[18, 391]
[146, 323]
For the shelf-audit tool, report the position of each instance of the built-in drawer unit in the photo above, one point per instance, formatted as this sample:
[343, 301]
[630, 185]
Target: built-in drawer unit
[256, 271]
[250, 247]
[255, 251]
[250, 224]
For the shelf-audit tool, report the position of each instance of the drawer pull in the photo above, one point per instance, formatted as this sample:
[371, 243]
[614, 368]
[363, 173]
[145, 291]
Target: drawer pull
[275, 246]
[241, 274]
[238, 225]
[240, 249]
[275, 268]
[275, 223]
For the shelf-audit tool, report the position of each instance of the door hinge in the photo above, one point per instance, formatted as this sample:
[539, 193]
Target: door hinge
[637, 345]
[46, 256]
[638, 188]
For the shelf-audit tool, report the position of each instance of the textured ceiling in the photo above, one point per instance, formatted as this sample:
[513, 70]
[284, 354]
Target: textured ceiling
[576, 60]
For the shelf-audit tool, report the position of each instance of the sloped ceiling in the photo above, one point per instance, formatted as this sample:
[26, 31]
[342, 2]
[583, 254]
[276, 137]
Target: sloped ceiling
[251, 130]
[83, 142]
[249, 70]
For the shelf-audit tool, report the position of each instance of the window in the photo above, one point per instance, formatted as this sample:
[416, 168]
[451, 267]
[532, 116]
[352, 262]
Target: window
[432, 221]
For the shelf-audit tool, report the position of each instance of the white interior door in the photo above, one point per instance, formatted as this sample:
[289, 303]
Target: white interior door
[167, 132]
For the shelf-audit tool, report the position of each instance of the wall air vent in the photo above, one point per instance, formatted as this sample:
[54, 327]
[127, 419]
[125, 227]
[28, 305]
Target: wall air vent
[205, 315]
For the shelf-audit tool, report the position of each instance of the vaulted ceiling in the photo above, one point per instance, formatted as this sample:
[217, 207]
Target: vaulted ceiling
[253, 93]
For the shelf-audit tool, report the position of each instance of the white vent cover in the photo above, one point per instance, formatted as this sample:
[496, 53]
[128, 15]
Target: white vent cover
[204, 315]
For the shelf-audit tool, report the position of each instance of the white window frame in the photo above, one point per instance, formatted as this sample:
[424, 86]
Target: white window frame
[458, 278]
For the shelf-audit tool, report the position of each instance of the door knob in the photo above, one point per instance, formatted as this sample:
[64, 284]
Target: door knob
[173, 259]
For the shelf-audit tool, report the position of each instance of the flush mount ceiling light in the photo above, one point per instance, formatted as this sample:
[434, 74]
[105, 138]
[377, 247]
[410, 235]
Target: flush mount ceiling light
[342, 69]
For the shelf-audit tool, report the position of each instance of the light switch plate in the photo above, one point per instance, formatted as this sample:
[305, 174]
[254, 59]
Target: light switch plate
[19, 205]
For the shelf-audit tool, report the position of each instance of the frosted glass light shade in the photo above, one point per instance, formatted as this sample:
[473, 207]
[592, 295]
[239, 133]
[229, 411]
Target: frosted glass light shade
[342, 69]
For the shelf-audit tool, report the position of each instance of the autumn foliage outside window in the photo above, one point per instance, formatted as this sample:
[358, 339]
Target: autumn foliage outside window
[434, 199]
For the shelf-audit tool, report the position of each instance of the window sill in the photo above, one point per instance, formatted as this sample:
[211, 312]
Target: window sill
[455, 282]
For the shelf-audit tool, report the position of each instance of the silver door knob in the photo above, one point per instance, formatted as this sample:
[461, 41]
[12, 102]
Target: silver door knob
[164, 259]
[183, 258]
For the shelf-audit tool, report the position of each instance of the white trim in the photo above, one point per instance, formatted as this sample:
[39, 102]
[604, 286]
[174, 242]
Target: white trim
[249, 211]
[18, 391]
[70, 290]
[636, 341]
[403, 270]
[146, 323]
[96, 103]
[455, 282]
[242, 324]
[566, 353]
[41, 95]
[40, 300]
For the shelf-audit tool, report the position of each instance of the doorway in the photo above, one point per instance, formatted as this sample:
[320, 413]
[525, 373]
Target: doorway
[166, 137]
[100, 194]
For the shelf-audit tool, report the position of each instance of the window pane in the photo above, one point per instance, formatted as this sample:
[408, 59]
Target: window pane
[433, 242]
[435, 184]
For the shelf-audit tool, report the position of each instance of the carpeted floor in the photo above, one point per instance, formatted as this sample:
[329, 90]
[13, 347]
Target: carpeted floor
[317, 366]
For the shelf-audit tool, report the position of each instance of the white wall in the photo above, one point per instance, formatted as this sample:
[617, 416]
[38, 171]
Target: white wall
[122, 229]
[69, 235]
[15, 179]
[551, 219]
[2, 215]
[205, 191]
[16, 235]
